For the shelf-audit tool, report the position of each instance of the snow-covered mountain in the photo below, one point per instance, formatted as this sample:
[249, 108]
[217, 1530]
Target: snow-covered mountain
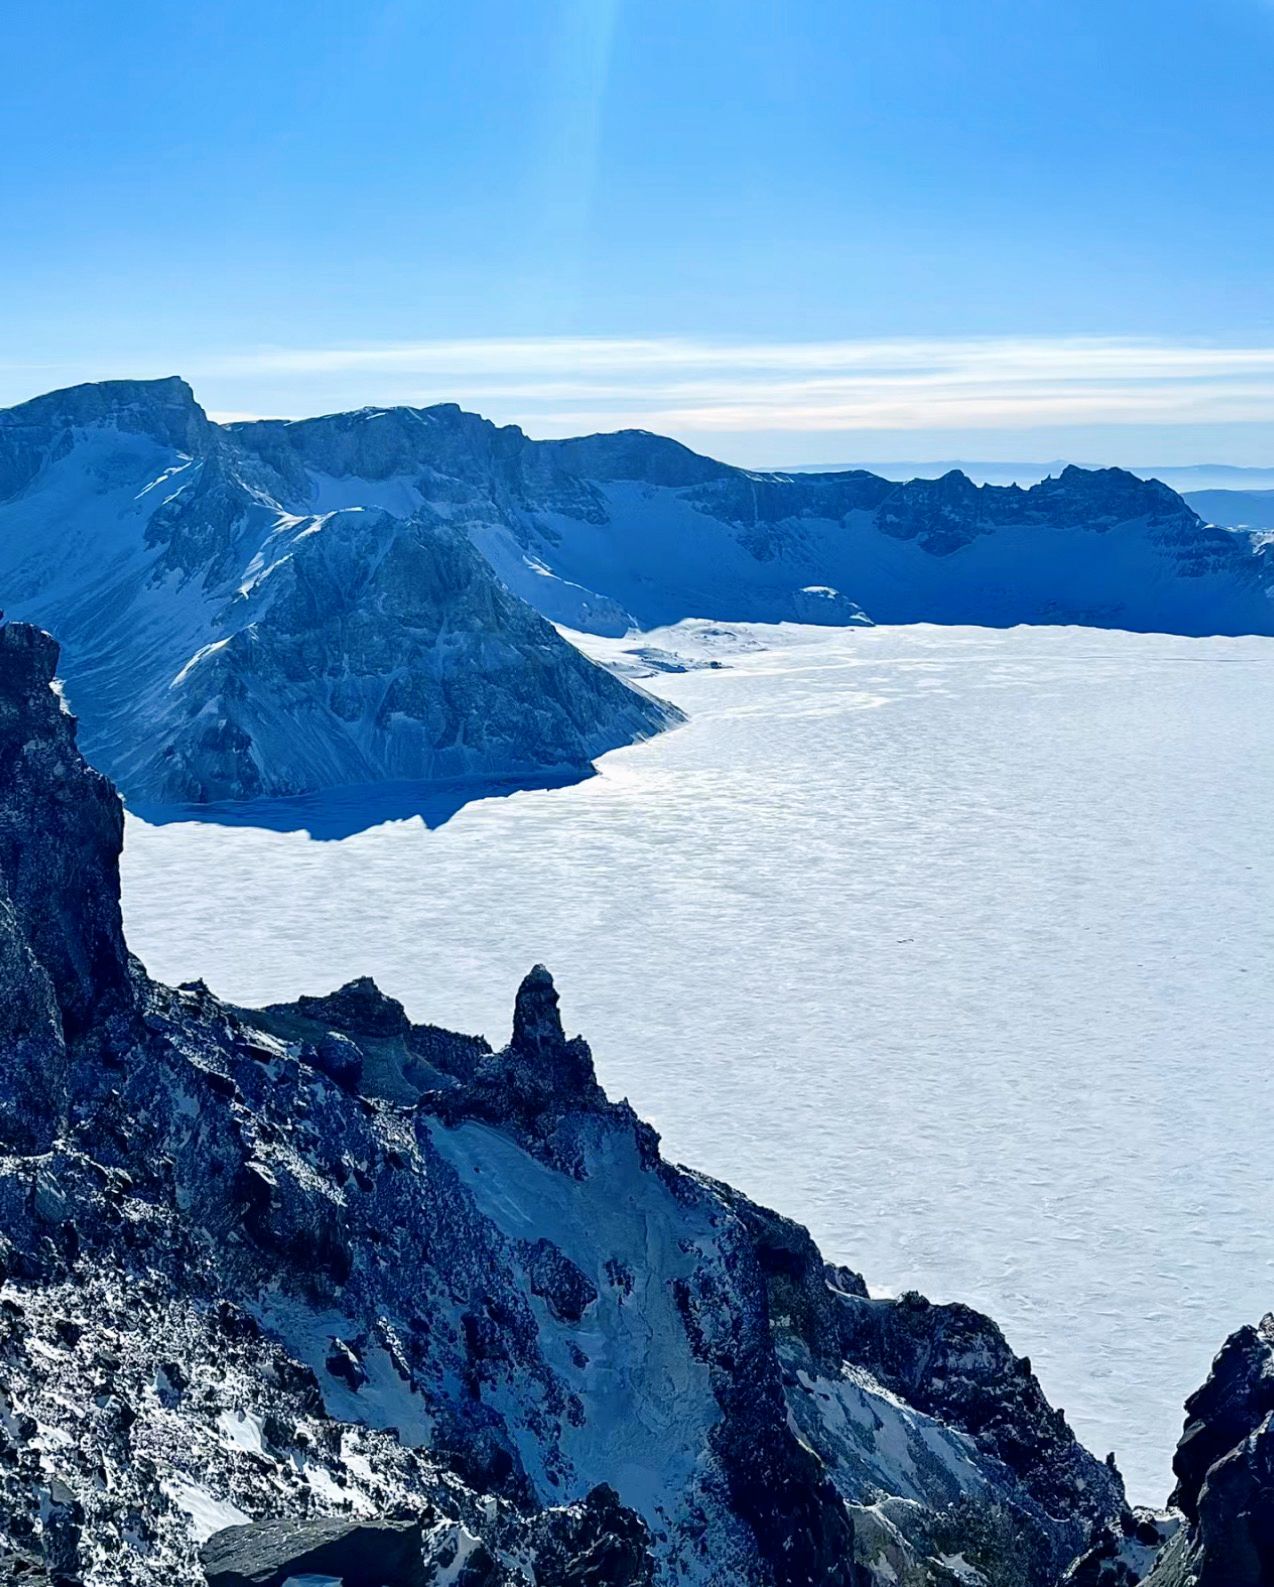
[219, 645]
[608, 531]
[340, 1296]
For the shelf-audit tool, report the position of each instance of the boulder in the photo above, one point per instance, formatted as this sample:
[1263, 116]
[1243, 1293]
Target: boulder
[356, 1553]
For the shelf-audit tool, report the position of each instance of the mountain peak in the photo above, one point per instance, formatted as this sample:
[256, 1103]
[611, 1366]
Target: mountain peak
[1124, 491]
[165, 409]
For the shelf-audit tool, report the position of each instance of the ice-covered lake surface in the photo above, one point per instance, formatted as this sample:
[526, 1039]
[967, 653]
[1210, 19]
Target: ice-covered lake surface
[954, 944]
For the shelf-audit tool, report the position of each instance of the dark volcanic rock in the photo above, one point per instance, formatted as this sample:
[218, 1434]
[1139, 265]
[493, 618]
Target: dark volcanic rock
[339, 1059]
[1238, 1395]
[598, 1543]
[1236, 1515]
[62, 878]
[357, 1553]
[557, 1280]
[1225, 1472]
[359, 1008]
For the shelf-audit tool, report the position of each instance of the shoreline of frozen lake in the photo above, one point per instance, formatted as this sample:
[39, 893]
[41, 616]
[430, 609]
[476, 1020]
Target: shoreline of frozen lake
[954, 944]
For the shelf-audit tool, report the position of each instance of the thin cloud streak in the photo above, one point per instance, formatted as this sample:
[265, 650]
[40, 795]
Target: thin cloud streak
[696, 385]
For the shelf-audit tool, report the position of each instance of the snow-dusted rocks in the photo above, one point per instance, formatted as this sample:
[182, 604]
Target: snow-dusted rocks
[218, 645]
[413, 1283]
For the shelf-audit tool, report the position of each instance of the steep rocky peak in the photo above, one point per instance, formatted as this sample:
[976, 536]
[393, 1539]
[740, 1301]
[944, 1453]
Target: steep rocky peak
[1123, 493]
[165, 410]
[537, 1019]
[61, 832]
[539, 1047]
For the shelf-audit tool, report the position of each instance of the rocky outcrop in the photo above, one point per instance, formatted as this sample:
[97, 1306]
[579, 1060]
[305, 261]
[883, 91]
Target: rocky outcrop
[1230, 1406]
[954, 1364]
[1224, 1467]
[358, 1554]
[64, 974]
[315, 1288]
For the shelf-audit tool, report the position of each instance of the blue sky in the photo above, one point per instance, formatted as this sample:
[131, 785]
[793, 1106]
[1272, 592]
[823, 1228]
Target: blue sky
[813, 231]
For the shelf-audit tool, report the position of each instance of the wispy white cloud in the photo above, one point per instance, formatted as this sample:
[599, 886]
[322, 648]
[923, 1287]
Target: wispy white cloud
[555, 384]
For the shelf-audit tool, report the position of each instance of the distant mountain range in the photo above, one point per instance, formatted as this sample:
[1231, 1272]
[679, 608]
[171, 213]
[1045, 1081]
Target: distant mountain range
[1221, 493]
[1187, 478]
[608, 532]
[273, 607]
[1236, 509]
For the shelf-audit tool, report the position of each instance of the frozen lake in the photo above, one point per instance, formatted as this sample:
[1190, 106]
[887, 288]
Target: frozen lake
[955, 945]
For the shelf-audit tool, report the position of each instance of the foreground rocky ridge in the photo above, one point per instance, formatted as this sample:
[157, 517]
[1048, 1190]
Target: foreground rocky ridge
[316, 1289]
[270, 608]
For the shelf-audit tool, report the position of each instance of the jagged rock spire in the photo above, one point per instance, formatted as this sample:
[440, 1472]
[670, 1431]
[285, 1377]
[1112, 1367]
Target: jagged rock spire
[539, 1042]
[1237, 1396]
[537, 1020]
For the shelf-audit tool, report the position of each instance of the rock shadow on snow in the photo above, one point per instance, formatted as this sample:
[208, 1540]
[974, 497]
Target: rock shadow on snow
[331, 814]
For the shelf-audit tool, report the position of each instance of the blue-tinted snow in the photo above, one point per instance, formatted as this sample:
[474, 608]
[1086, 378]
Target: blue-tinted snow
[954, 944]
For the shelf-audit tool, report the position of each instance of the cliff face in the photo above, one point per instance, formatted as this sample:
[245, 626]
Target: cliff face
[64, 976]
[316, 1264]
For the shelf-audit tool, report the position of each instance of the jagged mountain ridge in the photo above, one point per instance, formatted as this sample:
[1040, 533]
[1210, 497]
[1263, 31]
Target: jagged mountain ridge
[609, 531]
[219, 646]
[315, 1261]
